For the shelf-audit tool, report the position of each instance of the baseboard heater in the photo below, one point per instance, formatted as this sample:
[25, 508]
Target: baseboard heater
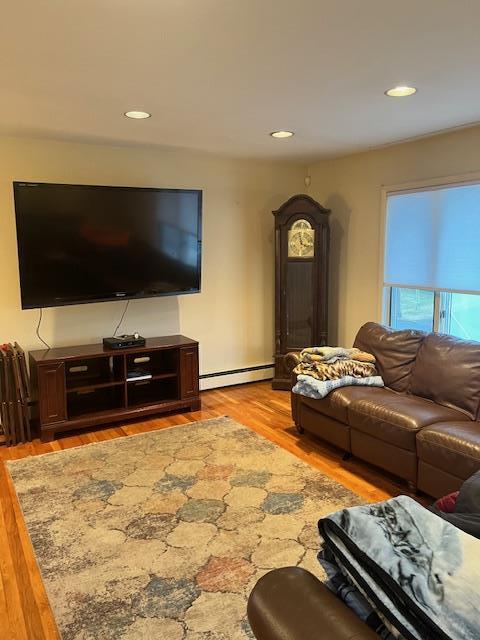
[236, 376]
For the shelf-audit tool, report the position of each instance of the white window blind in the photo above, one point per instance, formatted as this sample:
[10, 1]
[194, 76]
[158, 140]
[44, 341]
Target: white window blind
[432, 239]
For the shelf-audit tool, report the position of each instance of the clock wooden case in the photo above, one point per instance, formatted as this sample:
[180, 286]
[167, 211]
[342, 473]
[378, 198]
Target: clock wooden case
[302, 238]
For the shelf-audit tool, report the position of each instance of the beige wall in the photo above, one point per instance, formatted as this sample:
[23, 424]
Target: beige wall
[351, 187]
[233, 315]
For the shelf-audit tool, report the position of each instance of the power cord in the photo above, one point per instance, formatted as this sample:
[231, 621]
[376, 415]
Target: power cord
[38, 329]
[121, 319]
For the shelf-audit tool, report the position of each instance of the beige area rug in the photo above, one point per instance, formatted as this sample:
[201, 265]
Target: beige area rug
[162, 536]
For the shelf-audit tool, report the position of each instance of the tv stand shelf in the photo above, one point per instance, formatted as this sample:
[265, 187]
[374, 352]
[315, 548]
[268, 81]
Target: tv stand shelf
[88, 385]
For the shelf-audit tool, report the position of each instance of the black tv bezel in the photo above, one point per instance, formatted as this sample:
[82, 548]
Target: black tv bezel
[118, 296]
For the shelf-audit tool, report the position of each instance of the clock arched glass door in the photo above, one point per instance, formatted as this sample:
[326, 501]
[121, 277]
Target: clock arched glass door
[299, 285]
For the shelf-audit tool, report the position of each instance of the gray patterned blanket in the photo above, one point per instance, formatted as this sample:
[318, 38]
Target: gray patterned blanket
[420, 573]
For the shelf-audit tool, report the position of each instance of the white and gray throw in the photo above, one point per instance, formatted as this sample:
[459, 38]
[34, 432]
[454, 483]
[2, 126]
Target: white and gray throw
[420, 573]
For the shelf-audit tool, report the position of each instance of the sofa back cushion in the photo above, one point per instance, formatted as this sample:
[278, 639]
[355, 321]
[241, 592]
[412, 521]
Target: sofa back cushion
[395, 352]
[447, 371]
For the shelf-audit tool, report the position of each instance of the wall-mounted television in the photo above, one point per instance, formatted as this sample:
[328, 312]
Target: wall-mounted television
[84, 243]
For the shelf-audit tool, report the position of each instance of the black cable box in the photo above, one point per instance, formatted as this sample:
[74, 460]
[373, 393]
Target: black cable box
[122, 342]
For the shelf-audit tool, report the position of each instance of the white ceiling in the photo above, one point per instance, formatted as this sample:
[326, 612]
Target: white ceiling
[219, 75]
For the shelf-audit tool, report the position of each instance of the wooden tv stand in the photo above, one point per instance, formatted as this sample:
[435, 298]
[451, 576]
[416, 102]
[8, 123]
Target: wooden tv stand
[89, 385]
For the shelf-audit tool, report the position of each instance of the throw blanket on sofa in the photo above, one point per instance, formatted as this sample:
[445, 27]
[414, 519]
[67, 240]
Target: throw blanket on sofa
[312, 388]
[336, 370]
[420, 573]
[332, 354]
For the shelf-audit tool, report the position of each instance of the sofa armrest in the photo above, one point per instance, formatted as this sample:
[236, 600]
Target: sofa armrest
[292, 604]
[291, 360]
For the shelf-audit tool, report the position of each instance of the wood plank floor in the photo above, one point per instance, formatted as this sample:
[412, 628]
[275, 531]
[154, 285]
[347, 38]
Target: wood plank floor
[24, 610]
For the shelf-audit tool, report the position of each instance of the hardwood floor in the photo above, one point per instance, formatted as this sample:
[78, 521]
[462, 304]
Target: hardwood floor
[24, 609]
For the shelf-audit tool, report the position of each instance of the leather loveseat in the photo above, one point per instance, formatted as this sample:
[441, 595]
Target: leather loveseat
[423, 425]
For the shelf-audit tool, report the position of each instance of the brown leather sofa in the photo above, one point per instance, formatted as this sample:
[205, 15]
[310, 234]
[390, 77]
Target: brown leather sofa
[292, 604]
[423, 426]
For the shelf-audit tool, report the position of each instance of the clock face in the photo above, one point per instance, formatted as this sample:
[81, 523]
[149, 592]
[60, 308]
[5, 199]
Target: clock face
[301, 240]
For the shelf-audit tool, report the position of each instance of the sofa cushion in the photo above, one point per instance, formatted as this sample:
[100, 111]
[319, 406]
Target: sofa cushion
[336, 403]
[397, 418]
[447, 371]
[395, 352]
[447, 503]
[453, 447]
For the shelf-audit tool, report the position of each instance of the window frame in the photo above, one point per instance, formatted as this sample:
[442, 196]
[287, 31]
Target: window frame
[438, 305]
[442, 310]
[429, 184]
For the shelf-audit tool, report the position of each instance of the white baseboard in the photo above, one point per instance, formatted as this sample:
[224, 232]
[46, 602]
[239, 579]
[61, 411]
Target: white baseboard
[230, 378]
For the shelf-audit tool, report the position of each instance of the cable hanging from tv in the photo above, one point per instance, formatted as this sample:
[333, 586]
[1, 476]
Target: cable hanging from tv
[121, 319]
[40, 317]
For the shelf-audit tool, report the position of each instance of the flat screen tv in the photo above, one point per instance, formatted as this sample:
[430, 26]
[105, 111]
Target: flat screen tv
[83, 243]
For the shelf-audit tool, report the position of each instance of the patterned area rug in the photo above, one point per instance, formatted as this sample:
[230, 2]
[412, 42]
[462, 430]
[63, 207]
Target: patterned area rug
[162, 536]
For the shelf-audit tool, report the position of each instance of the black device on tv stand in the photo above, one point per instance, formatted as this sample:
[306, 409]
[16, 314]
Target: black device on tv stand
[124, 341]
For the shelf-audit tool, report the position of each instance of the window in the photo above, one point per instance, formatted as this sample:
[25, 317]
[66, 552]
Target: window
[460, 315]
[411, 309]
[432, 260]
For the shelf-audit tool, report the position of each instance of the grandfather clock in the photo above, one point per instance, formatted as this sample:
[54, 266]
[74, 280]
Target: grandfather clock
[301, 280]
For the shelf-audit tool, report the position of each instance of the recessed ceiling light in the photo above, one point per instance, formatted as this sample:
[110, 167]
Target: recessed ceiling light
[400, 92]
[137, 115]
[282, 134]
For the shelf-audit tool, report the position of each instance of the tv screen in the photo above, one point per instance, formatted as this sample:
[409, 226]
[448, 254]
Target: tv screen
[82, 243]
